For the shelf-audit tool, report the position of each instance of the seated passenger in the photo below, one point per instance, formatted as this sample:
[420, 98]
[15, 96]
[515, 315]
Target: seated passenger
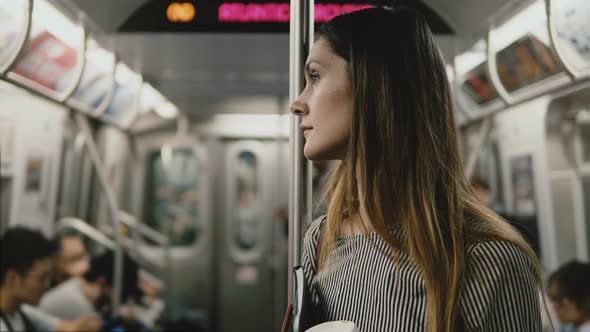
[73, 259]
[93, 292]
[25, 273]
[569, 292]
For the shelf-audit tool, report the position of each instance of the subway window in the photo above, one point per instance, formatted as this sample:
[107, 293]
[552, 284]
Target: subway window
[172, 195]
[246, 212]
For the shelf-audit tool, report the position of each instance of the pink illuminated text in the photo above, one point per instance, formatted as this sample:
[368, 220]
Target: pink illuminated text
[278, 12]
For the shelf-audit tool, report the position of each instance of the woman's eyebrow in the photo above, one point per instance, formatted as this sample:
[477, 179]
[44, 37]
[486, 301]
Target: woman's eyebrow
[308, 64]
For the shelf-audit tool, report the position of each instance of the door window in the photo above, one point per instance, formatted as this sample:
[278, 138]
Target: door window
[172, 196]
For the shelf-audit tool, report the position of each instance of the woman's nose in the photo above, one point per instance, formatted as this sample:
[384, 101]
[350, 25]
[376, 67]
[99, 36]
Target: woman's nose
[298, 108]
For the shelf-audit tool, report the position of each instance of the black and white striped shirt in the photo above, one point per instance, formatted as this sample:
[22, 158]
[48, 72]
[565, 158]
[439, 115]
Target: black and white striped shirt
[363, 285]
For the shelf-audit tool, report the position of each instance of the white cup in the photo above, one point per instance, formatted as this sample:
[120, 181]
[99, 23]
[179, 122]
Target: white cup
[340, 326]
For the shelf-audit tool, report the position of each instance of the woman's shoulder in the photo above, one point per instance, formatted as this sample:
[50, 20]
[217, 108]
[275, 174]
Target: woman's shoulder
[314, 230]
[500, 290]
[310, 242]
[498, 258]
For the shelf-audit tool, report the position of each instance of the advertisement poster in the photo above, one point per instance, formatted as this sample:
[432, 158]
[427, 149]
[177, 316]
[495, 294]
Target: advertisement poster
[524, 62]
[123, 103]
[523, 188]
[8, 33]
[94, 85]
[571, 19]
[49, 62]
[34, 167]
[478, 86]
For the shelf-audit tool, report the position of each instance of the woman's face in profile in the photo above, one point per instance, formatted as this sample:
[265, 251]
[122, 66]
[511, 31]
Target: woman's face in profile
[325, 105]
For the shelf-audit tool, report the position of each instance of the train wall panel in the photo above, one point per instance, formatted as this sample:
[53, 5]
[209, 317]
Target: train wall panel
[36, 147]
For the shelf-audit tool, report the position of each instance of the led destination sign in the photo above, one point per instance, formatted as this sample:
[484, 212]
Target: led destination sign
[279, 12]
[246, 15]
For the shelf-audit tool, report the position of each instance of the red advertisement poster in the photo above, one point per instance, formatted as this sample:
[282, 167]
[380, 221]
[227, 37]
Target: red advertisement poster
[48, 61]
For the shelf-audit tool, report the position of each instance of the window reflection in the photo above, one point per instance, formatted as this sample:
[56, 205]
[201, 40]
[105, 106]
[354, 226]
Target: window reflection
[246, 212]
[173, 196]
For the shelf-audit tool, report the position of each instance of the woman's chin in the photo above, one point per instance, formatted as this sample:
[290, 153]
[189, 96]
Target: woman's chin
[310, 153]
[315, 154]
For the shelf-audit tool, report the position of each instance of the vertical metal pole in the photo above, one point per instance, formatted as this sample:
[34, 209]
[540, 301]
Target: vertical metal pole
[301, 38]
[114, 209]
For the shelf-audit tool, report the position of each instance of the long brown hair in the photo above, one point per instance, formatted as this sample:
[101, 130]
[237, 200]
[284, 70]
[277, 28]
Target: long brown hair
[403, 146]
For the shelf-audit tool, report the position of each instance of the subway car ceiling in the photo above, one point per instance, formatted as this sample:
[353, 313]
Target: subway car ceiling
[205, 67]
[201, 62]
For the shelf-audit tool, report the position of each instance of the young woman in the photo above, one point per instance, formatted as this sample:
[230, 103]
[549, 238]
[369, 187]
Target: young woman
[405, 245]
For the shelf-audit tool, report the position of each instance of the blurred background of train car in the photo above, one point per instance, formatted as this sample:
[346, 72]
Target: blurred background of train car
[173, 116]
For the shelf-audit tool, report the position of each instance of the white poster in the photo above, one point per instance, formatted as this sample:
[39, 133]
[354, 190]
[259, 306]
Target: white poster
[570, 19]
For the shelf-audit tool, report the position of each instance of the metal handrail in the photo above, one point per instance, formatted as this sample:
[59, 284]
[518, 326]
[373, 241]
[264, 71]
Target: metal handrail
[131, 246]
[143, 229]
[83, 228]
[111, 198]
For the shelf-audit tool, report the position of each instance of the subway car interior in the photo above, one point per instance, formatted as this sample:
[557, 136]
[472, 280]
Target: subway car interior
[159, 131]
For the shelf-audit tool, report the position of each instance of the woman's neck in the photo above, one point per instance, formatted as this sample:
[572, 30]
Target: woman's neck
[8, 303]
[361, 221]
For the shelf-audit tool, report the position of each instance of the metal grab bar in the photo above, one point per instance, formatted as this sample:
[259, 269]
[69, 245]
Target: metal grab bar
[132, 247]
[90, 232]
[111, 198]
[152, 234]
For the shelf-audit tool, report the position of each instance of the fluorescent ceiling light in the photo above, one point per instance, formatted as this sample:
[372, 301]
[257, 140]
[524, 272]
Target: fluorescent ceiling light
[150, 98]
[167, 110]
[124, 75]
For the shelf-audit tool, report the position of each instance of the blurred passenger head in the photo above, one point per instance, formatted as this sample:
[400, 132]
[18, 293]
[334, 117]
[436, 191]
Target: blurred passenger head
[73, 258]
[26, 264]
[377, 97]
[569, 291]
[482, 190]
[100, 278]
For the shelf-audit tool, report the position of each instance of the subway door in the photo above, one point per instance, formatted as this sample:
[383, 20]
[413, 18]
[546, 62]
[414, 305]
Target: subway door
[175, 203]
[569, 161]
[245, 238]
[582, 147]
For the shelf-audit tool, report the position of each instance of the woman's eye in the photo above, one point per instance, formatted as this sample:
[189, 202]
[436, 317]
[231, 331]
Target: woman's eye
[314, 78]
